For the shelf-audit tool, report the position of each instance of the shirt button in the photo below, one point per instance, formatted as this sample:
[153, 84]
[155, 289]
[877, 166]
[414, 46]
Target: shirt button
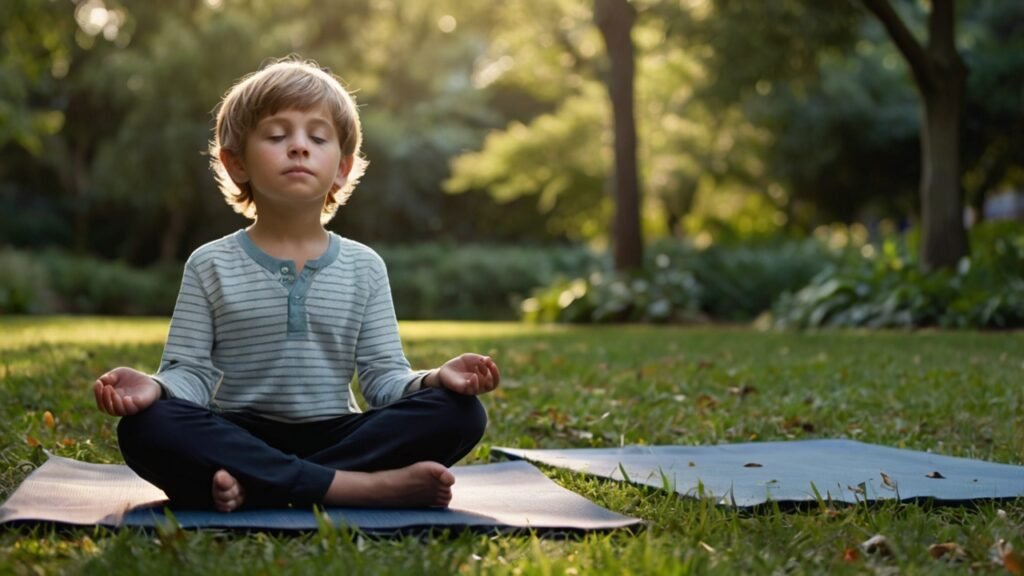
[298, 297]
[284, 270]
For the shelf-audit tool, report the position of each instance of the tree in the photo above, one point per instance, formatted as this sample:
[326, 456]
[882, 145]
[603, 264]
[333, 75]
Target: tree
[940, 76]
[615, 19]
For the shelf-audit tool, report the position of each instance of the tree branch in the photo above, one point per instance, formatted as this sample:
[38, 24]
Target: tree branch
[911, 49]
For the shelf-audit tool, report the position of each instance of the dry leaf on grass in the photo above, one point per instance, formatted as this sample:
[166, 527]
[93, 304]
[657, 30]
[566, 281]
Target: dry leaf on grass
[889, 482]
[752, 465]
[851, 555]
[949, 550]
[48, 420]
[1012, 560]
[936, 475]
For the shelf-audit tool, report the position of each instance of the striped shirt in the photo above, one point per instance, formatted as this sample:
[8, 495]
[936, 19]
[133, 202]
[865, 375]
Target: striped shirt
[249, 334]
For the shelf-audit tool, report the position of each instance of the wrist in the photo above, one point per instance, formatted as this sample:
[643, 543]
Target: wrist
[431, 380]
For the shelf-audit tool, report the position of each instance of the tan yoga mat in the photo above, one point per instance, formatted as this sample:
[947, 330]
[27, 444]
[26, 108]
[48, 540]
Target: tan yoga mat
[502, 497]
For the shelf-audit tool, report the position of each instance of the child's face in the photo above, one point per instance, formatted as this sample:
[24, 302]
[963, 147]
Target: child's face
[292, 159]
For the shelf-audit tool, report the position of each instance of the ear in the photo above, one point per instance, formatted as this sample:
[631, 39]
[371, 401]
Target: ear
[344, 169]
[235, 166]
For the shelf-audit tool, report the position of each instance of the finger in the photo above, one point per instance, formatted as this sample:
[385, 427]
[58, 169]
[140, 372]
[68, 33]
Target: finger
[118, 403]
[129, 406]
[97, 392]
[495, 373]
[108, 402]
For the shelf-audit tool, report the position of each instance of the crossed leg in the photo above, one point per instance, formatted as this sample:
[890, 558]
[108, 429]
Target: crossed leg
[394, 456]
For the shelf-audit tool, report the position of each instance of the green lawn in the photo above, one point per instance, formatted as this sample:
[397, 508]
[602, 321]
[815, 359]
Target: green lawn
[957, 394]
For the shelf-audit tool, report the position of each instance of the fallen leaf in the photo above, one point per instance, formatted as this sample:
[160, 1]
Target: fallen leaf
[951, 550]
[858, 489]
[935, 475]
[877, 544]
[706, 401]
[752, 465]
[48, 420]
[1012, 560]
[795, 422]
[692, 464]
[31, 441]
[851, 555]
[68, 442]
[889, 482]
[742, 391]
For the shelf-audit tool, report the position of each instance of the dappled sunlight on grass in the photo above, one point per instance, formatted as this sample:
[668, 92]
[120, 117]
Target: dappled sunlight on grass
[439, 330]
[21, 332]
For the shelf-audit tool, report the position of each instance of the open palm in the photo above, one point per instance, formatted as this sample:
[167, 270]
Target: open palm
[469, 374]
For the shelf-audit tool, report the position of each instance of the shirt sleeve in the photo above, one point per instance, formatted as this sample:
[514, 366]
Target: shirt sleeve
[186, 369]
[384, 372]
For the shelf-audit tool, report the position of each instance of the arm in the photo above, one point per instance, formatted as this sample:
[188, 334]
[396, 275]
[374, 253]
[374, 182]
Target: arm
[186, 370]
[384, 372]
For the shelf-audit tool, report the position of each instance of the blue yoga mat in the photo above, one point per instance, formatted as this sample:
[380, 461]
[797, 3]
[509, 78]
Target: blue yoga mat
[502, 497]
[754, 473]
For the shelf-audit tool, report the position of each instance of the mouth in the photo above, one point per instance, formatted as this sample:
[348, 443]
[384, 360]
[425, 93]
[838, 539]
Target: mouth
[298, 170]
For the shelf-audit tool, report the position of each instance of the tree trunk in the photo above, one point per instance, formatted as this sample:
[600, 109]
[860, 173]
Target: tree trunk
[615, 18]
[940, 76]
[943, 236]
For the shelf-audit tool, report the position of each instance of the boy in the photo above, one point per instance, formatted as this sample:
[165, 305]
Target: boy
[251, 404]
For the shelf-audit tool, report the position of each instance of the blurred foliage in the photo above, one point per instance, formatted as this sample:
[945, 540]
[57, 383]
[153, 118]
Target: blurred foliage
[475, 281]
[53, 282]
[682, 283]
[752, 117]
[884, 287]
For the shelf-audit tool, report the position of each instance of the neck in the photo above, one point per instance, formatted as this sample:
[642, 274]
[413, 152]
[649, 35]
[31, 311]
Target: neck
[290, 239]
[289, 229]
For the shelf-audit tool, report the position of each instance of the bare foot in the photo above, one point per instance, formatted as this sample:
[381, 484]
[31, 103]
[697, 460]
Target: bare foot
[422, 484]
[228, 493]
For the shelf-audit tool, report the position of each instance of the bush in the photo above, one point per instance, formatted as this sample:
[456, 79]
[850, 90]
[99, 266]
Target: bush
[55, 282]
[24, 285]
[475, 282]
[887, 289]
[682, 283]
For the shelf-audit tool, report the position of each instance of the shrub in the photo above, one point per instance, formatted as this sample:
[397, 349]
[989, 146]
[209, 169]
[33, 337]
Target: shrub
[475, 282]
[887, 288]
[682, 283]
[84, 285]
[24, 285]
[55, 282]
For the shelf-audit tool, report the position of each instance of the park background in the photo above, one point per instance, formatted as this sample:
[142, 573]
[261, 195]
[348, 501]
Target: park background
[702, 165]
[658, 161]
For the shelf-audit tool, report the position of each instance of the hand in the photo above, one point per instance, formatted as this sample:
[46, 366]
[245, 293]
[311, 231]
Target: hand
[125, 391]
[469, 374]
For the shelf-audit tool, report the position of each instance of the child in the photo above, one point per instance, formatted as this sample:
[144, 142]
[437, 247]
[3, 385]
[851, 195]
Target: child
[251, 404]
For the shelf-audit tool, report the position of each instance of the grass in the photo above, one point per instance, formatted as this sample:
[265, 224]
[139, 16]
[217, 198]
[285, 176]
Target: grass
[955, 393]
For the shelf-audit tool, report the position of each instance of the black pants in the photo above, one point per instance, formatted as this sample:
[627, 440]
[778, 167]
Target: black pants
[178, 446]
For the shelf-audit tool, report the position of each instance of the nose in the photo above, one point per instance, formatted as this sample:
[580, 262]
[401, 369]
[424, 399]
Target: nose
[298, 146]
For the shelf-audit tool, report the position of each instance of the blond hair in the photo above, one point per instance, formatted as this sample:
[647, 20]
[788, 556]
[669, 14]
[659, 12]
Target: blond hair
[284, 84]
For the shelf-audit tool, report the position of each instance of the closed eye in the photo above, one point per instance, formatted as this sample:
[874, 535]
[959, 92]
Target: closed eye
[319, 140]
[276, 137]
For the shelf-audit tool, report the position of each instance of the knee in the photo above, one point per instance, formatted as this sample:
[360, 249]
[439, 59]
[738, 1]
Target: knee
[154, 427]
[464, 416]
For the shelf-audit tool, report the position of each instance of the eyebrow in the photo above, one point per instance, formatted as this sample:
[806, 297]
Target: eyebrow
[276, 119]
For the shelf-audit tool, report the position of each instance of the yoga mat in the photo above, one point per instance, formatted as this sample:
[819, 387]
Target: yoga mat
[751, 474]
[502, 497]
